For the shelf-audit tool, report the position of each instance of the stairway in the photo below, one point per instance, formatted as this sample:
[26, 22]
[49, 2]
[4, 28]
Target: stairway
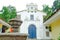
[31, 39]
[38, 39]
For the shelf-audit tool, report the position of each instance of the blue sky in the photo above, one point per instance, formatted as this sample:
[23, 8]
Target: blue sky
[21, 4]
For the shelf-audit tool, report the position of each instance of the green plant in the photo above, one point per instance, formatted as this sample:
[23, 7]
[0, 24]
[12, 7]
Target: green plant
[59, 37]
[8, 13]
[47, 10]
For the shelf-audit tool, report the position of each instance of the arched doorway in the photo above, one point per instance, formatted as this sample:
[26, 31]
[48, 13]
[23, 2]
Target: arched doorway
[32, 31]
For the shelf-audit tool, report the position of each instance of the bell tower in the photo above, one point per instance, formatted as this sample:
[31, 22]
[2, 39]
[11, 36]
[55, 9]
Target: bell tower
[32, 7]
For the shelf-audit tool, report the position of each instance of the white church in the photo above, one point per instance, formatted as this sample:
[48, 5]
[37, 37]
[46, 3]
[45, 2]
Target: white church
[32, 25]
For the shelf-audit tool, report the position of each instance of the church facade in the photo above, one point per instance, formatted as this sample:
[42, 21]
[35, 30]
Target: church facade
[32, 23]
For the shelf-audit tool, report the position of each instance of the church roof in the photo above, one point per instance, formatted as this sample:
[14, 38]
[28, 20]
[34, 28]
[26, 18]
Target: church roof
[26, 10]
[4, 23]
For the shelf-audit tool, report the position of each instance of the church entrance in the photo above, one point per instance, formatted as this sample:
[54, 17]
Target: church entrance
[32, 31]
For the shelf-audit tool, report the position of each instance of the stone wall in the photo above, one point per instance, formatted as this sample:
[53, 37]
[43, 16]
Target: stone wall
[13, 37]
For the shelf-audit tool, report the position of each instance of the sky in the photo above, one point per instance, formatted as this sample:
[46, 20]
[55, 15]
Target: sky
[21, 4]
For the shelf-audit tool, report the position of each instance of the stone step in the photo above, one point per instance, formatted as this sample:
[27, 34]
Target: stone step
[38, 39]
[31, 39]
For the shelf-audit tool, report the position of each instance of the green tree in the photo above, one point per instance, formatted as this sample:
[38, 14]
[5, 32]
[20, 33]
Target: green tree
[47, 10]
[56, 5]
[12, 11]
[8, 13]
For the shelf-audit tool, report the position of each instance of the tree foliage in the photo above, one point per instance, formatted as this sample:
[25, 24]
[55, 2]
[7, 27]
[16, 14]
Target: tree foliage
[56, 5]
[8, 13]
[47, 10]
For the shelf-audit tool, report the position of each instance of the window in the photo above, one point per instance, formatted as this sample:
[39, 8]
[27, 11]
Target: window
[32, 11]
[47, 27]
[31, 17]
[47, 34]
[50, 28]
[31, 7]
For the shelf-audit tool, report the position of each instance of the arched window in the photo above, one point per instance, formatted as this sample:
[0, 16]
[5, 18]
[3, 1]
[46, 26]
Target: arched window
[32, 31]
[31, 17]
